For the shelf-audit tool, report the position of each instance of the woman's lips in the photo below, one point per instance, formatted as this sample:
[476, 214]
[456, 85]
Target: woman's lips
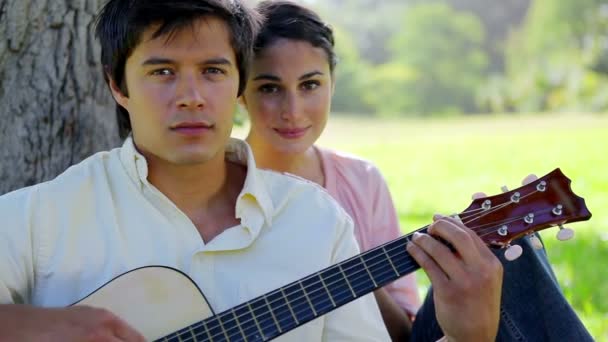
[291, 133]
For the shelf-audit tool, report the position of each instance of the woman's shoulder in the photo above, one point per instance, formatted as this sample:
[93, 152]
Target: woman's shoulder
[349, 166]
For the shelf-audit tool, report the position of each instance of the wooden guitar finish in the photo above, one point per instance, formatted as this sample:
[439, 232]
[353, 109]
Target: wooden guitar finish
[166, 305]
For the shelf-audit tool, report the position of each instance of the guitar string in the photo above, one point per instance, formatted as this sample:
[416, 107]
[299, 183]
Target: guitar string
[296, 312]
[364, 273]
[321, 289]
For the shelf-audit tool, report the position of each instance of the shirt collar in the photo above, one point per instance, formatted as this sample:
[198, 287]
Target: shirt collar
[255, 192]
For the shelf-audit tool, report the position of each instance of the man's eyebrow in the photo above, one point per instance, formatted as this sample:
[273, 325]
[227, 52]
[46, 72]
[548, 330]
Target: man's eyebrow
[157, 61]
[164, 61]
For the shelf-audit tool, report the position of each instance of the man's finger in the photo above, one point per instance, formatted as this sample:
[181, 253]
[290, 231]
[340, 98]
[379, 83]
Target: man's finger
[430, 267]
[460, 237]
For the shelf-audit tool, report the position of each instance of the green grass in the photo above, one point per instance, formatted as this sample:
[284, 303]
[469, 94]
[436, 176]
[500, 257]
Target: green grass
[433, 166]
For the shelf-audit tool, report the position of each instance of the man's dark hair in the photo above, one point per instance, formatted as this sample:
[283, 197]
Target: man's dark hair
[121, 23]
[286, 19]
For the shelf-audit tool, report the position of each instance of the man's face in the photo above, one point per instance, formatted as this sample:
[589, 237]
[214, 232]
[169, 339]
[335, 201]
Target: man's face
[182, 92]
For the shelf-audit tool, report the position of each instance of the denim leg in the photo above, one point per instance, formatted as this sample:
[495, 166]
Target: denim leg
[533, 307]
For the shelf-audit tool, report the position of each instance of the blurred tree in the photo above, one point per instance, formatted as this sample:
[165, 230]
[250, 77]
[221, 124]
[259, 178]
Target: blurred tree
[349, 76]
[371, 24]
[444, 48]
[55, 107]
[556, 60]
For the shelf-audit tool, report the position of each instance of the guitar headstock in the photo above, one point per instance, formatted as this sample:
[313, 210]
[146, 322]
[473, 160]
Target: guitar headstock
[546, 202]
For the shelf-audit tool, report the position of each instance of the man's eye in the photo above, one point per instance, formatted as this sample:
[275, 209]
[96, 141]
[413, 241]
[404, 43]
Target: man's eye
[162, 72]
[213, 70]
[269, 88]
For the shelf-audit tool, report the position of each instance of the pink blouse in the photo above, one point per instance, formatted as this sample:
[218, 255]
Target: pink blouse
[362, 191]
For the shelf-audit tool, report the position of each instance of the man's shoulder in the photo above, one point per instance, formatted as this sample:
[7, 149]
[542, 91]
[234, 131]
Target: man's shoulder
[78, 175]
[285, 186]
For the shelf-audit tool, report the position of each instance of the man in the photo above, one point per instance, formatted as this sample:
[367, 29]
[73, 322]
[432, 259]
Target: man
[181, 193]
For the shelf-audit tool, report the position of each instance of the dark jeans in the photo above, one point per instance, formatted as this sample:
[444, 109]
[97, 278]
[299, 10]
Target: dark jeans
[533, 307]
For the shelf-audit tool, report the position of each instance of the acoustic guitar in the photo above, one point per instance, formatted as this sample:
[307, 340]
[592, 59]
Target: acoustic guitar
[166, 305]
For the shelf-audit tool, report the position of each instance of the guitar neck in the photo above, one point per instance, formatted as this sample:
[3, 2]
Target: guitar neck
[288, 307]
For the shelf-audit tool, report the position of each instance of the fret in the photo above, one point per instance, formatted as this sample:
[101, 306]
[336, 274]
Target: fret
[390, 261]
[181, 335]
[223, 328]
[289, 306]
[281, 310]
[238, 324]
[264, 315]
[214, 327]
[333, 303]
[367, 269]
[400, 257]
[192, 334]
[337, 285]
[359, 279]
[379, 267]
[207, 331]
[307, 298]
[347, 282]
[298, 298]
[319, 297]
[274, 317]
[255, 320]
[199, 331]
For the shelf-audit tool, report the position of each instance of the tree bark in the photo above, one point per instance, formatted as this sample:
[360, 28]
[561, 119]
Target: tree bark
[55, 109]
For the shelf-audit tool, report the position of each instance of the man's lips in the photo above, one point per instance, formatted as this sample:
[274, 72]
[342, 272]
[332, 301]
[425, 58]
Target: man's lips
[192, 128]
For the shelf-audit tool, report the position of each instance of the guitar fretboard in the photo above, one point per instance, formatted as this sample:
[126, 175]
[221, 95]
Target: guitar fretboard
[288, 307]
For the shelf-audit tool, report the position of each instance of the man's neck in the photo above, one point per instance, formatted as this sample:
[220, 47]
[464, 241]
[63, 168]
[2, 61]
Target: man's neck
[205, 192]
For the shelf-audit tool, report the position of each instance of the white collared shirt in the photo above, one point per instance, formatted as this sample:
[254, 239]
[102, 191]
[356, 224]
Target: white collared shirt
[63, 239]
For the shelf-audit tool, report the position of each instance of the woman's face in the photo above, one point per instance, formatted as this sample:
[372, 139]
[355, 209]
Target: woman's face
[288, 96]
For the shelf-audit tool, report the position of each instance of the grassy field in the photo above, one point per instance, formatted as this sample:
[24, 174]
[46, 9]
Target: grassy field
[433, 166]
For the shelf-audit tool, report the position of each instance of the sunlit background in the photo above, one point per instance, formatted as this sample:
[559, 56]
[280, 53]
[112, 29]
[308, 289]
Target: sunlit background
[452, 97]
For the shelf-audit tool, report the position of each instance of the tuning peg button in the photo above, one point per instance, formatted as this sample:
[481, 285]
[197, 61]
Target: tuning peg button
[535, 241]
[529, 179]
[504, 188]
[564, 234]
[513, 252]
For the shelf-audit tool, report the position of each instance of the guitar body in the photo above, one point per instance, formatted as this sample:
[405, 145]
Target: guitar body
[154, 300]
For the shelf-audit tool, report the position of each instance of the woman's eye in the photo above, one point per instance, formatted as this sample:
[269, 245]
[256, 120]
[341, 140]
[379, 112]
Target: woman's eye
[310, 85]
[269, 88]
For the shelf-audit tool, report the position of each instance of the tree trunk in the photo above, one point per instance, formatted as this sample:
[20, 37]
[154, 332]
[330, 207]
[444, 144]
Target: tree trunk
[55, 109]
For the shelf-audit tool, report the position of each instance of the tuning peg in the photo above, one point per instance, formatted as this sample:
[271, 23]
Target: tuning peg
[513, 252]
[478, 195]
[564, 234]
[535, 241]
[529, 179]
[504, 188]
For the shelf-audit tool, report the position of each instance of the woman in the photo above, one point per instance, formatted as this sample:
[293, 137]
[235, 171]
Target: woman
[288, 98]
[293, 73]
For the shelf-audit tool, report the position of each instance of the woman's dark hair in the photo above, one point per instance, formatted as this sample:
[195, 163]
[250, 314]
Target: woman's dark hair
[121, 23]
[286, 19]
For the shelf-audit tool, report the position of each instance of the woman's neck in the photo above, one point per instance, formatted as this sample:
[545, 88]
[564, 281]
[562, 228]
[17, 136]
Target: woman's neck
[306, 164]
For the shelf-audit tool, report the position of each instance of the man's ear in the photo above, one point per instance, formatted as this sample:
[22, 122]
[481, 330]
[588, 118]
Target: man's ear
[120, 98]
